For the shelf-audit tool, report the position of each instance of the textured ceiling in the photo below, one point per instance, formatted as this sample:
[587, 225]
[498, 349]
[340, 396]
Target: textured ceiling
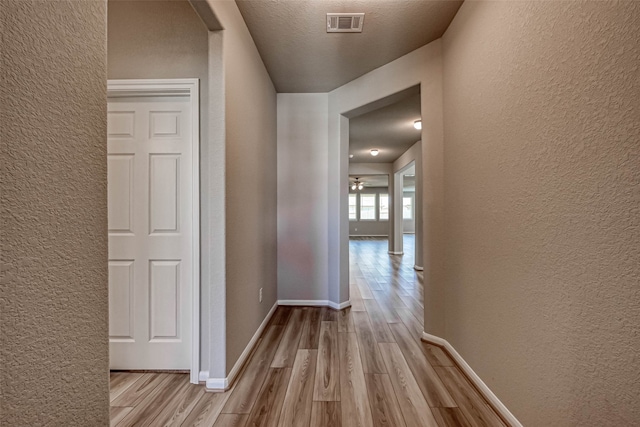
[388, 129]
[302, 57]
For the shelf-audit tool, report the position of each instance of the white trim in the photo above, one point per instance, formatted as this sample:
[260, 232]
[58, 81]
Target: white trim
[418, 268]
[475, 379]
[314, 303]
[178, 87]
[203, 376]
[396, 253]
[223, 384]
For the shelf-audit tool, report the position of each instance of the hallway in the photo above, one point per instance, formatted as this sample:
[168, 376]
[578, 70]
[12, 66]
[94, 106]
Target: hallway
[318, 367]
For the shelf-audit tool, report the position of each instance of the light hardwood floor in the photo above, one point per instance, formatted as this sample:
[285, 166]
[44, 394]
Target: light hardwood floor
[363, 366]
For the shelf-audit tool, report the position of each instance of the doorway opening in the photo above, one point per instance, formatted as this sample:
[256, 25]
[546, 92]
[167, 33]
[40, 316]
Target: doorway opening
[385, 202]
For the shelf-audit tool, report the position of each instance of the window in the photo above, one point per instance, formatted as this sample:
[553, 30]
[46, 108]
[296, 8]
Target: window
[384, 207]
[367, 207]
[407, 208]
[352, 207]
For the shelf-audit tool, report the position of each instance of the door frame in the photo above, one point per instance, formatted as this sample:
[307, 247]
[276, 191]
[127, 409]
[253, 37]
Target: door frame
[119, 88]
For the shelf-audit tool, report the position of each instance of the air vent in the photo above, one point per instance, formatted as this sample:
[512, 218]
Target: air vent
[345, 22]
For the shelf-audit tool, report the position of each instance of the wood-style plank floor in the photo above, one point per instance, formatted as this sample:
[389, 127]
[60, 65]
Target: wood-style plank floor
[363, 366]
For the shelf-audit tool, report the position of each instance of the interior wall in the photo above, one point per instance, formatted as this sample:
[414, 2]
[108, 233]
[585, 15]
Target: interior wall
[250, 132]
[53, 183]
[302, 200]
[543, 229]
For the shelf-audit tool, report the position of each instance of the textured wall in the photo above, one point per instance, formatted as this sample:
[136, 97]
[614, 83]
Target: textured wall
[251, 188]
[54, 214]
[542, 161]
[302, 199]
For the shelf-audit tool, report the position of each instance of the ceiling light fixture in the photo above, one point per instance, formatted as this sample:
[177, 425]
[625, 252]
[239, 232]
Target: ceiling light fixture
[351, 156]
[357, 185]
[375, 152]
[417, 124]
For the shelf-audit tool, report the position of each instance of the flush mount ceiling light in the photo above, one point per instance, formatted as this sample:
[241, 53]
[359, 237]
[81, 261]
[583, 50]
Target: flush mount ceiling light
[357, 185]
[417, 124]
[375, 152]
[351, 156]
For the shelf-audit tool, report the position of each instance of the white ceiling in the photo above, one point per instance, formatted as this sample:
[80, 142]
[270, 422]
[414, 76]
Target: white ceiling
[302, 57]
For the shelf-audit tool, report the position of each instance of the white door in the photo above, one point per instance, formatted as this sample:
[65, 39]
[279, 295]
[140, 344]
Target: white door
[150, 185]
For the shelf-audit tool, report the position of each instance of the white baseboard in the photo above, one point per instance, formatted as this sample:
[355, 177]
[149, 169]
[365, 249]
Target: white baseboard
[203, 376]
[396, 253]
[223, 384]
[315, 303]
[480, 385]
[418, 268]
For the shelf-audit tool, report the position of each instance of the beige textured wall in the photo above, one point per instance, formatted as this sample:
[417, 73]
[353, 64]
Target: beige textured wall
[250, 182]
[54, 214]
[542, 191]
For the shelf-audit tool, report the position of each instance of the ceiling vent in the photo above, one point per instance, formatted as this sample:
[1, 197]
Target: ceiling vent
[345, 22]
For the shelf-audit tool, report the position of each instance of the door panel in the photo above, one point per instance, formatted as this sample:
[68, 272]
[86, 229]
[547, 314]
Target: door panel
[150, 232]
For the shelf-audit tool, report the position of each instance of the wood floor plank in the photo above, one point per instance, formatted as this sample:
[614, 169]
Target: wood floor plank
[365, 292]
[414, 407]
[117, 414]
[281, 316]
[414, 305]
[248, 385]
[327, 380]
[355, 408]
[428, 380]
[145, 412]
[329, 315]
[414, 325]
[386, 307]
[311, 330]
[378, 322]
[450, 417]
[120, 381]
[355, 298]
[139, 390]
[178, 409]
[475, 409]
[326, 414]
[286, 352]
[384, 404]
[296, 408]
[372, 362]
[345, 321]
[231, 420]
[206, 411]
[436, 355]
[266, 410]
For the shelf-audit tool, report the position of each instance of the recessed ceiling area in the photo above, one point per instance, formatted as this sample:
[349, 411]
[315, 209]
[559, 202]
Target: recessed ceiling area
[389, 129]
[301, 56]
